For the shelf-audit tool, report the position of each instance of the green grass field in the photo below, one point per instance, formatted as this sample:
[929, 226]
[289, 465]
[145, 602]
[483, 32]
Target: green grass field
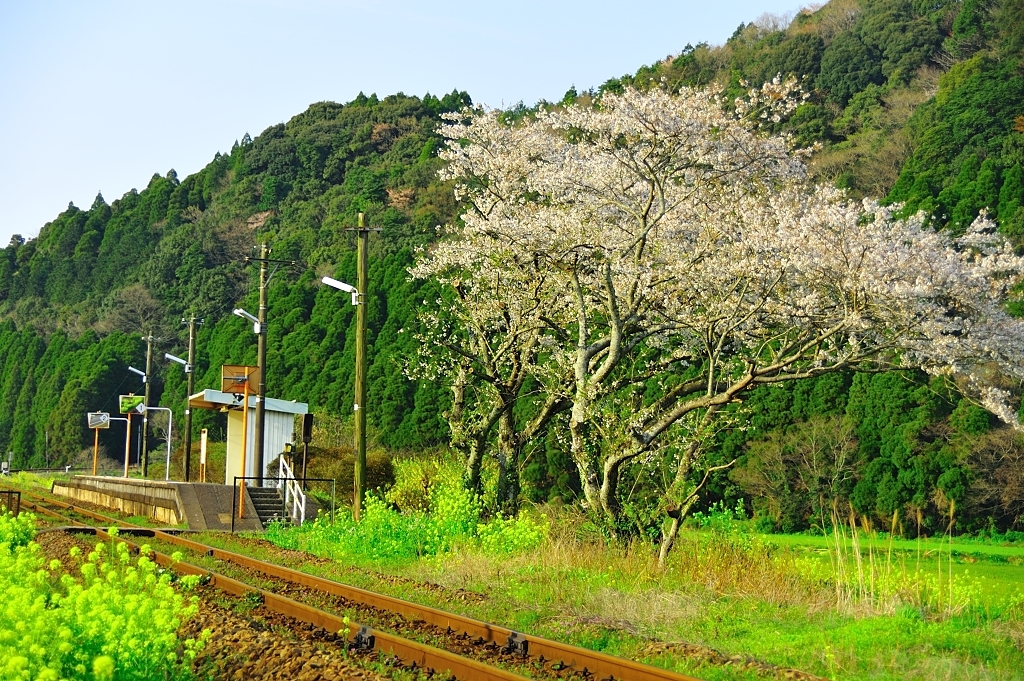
[728, 597]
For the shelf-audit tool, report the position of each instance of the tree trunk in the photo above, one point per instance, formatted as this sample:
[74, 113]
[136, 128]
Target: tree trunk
[668, 539]
[508, 466]
[473, 449]
[590, 476]
[610, 489]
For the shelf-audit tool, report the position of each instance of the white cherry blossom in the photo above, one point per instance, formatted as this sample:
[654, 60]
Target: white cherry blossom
[659, 240]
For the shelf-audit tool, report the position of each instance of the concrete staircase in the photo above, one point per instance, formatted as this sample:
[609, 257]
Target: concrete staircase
[268, 503]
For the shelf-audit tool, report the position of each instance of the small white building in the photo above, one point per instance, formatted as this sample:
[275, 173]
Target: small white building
[279, 428]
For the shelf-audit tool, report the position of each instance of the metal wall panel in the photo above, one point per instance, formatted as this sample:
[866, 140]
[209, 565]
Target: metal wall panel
[278, 430]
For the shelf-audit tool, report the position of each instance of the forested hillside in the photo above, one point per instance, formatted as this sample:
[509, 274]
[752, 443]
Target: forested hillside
[919, 102]
[77, 300]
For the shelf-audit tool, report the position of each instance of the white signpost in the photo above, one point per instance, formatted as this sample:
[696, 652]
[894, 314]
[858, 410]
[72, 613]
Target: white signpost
[202, 455]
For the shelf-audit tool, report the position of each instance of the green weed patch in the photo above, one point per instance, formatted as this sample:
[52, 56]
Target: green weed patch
[438, 517]
[115, 621]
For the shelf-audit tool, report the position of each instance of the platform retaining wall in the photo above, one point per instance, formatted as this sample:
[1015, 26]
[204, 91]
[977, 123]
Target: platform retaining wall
[154, 499]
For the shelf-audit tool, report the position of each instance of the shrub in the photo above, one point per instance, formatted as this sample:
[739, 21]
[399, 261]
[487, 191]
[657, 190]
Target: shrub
[436, 518]
[512, 535]
[339, 463]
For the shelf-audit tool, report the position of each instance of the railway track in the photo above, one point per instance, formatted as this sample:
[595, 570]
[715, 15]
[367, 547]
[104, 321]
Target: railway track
[463, 637]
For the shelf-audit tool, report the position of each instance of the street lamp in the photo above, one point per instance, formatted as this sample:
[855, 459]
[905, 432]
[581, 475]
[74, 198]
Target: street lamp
[142, 409]
[256, 328]
[179, 360]
[140, 373]
[260, 329]
[342, 286]
[188, 419]
[127, 439]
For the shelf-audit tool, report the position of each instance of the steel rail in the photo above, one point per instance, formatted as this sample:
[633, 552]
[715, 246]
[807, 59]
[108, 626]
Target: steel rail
[412, 653]
[602, 665]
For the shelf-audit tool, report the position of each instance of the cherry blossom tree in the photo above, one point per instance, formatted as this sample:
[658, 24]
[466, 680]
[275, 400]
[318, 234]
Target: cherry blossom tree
[663, 256]
[483, 339]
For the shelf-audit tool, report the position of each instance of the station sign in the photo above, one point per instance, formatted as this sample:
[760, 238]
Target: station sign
[129, 402]
[98, 419]
[233, 378]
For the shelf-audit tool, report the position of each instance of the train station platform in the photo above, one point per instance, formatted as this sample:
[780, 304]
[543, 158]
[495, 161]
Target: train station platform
[201, 506]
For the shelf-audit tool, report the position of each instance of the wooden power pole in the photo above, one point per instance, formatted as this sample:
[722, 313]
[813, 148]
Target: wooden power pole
[362, 281]
[261, 362]
[264, 260]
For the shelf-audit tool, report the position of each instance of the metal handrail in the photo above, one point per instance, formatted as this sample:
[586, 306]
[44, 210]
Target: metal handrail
[261, 479]
[292, 491]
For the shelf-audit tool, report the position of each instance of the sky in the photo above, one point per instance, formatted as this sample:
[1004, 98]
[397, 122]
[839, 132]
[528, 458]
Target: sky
[99, 95]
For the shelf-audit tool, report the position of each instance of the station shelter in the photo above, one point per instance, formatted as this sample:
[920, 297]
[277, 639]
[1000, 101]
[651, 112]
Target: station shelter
[279, 428]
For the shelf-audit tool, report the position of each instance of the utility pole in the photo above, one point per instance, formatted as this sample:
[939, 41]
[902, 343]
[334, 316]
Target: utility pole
[261, 353]
[145, 415]
[362, 277]
[192, 323]
[261, 362]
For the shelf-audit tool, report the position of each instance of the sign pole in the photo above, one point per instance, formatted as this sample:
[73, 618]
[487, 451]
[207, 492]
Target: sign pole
[97, 420]
[128, 444]
[245, 443]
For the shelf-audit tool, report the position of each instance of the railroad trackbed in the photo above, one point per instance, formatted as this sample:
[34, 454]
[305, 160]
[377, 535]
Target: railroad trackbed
[420, 637]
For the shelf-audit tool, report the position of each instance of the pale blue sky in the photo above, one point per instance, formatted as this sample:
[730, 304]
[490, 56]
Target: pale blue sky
[97, 96]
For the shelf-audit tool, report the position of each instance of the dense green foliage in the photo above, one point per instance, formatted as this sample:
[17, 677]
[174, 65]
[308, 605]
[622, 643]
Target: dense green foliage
[919, 102]
[877, 443]
[116, 620]
[427, 512]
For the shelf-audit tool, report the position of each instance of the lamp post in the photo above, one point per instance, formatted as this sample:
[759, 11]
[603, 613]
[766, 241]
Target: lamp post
[144, 439]
[127, 439]
[127, 443]
[358, 293]
[142, 409]
[192, 322]
[359, 478]
[188, 394]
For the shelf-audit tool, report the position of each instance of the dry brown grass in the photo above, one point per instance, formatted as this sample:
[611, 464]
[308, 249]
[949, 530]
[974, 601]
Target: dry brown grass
[621, 587]
[748, 568]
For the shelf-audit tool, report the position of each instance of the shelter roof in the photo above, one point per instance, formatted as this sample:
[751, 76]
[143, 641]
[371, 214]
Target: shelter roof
[221, 401]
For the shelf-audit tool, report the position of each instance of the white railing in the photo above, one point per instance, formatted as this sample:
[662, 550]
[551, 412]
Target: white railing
[294, 498]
